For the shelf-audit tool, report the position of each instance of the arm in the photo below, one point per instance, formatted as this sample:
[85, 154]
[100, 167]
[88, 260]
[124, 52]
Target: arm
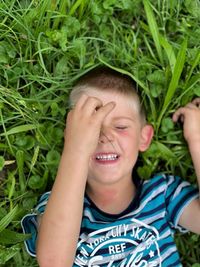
[60, 225]
[190, 115]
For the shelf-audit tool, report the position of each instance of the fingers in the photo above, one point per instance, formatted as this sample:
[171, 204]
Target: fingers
[196, 102]
[88, 104]
[81, 101]
[181, 112]
[93, 106]
[104, 110]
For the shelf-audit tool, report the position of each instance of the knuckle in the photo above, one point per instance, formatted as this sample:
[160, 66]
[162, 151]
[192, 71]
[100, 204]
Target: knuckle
[94, 121]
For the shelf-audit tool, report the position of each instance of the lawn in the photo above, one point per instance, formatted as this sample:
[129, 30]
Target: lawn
[44, 47]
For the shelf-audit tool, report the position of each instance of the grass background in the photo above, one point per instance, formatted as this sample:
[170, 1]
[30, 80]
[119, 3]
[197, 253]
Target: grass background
[44, 47]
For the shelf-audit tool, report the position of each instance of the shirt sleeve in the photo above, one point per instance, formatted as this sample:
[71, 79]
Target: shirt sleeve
[30, 224]
[179, 194]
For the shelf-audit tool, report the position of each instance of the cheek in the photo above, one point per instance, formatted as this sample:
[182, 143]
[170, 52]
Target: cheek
[129, 135]
[129, 140]
[124, 134]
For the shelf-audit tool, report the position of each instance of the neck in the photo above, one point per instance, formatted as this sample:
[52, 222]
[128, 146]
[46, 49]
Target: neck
[112, 199]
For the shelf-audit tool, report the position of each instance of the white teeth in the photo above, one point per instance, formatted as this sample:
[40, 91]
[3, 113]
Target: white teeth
[107, 157]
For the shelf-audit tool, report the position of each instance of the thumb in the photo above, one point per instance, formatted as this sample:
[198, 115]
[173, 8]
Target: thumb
[105, 110]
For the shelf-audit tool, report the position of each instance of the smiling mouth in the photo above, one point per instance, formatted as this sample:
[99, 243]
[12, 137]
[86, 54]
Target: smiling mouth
[107, 157]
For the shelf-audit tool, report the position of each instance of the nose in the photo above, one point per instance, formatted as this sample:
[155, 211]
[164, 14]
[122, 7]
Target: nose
[106, 136]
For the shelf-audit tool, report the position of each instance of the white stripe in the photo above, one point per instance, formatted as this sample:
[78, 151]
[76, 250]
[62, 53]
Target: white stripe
[179, 189]
[166, 234]
[149, 220]
[169, 252]
[153, 194]
[171, 180]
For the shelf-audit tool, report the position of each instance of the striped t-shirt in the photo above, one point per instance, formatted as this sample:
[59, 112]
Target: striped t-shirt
[142, 235]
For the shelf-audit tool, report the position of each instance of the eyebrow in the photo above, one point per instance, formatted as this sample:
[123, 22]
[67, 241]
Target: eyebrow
[123, 118]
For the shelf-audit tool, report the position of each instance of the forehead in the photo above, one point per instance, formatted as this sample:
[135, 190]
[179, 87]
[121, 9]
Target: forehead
[127, 102]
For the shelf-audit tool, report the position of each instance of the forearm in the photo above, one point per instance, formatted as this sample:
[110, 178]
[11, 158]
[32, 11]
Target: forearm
[194, 148]
[190, 116]
[60, 225]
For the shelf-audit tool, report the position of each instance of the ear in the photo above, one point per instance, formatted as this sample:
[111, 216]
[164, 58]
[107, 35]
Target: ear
[146, 137]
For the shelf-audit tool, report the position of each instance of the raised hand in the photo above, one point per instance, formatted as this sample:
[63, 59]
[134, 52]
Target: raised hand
[190, 116]
[84, 125]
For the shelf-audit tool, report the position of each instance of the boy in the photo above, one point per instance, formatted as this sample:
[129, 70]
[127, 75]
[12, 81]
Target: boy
[99, 213]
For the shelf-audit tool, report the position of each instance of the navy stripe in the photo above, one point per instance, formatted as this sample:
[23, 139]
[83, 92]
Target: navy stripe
[152, 187]
[166, 246]
[153, 211]
[163, 227]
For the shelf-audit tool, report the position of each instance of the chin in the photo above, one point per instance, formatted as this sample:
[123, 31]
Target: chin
[106, 179]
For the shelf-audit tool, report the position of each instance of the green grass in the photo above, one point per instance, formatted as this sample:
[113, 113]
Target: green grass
[44, 47]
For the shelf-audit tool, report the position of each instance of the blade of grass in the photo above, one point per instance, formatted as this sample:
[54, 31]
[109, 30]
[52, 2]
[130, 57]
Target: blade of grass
[12, 179]
[126, 73]
[75, 6]
[63, 4]
[35, 157]
[4, 222]
[9, 237]
[194, 64]
[43, 16]
[11, 4]
[18, 22]
[20, 165]
[178, 68]
[165, 151]
[153, 28]
[149, 47]
[5, 132]
[19, 129]
[7, 253]
[169, 52]
[42, 64]
[153, 109]
[189, 86]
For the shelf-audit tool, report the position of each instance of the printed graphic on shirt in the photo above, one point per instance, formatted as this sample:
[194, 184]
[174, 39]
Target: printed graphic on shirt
[129, 244]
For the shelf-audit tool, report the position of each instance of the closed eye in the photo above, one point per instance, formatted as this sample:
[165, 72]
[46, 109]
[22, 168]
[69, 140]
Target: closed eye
[121, 127]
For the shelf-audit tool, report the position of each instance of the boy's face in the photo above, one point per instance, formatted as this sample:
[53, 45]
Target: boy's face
[122, 136]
